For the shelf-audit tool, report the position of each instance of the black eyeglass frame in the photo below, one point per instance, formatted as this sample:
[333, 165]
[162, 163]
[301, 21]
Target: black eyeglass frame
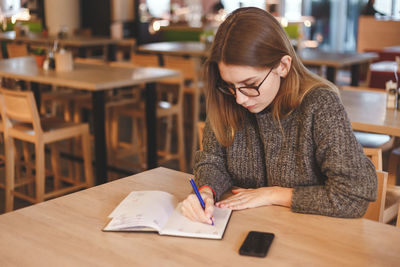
[227, 90]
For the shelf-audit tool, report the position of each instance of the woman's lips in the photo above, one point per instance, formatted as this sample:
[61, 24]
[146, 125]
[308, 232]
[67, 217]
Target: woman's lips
[250, 107]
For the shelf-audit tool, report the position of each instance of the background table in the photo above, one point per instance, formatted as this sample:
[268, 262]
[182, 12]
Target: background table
[67, 231]
[80, 42]
[312, 57]
[367, 112]
[198, 49]
[336, 60]
[96, 79]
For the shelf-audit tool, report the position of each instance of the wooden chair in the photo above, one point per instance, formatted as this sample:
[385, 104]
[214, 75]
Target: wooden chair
[170, 101]
[375, 155]
[376, 209]
[17, 50]
[22, 122]
[188, 68]
[394, 166]
[391, 195]
[144, 60]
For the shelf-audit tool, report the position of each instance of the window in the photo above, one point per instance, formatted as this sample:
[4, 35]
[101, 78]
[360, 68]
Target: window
[230, 5]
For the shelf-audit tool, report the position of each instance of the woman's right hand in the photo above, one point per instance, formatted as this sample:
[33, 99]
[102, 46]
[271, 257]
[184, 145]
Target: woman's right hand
[191, 207]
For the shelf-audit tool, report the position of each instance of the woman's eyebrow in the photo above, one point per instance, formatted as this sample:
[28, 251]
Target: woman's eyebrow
[243, 81]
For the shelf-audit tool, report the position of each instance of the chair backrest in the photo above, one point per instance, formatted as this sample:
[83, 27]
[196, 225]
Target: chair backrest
[375, 209]
[375, 155]
[185, 65]
[144, 60]
[200, 129]
[19, 107]
[94, 61]
[347, 87]
[17, 50]
[163, 91]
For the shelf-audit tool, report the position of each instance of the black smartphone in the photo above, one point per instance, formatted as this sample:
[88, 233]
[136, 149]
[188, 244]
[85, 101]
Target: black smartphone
[256, 244]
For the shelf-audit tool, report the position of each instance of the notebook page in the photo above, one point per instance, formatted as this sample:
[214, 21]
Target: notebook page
[179, 225]
[141, 210]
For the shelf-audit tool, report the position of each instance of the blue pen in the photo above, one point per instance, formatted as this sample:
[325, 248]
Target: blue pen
[199, 196]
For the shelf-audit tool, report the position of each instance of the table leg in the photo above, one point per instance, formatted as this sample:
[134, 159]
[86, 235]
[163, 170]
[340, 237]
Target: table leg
[151, 122]
[110, 52]
[331, 74]
[160, 60]
[82, 52]
[36, 93]
[99, 137]
[355, 74]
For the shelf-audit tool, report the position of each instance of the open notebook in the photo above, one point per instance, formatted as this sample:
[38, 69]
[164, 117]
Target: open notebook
[160, 212]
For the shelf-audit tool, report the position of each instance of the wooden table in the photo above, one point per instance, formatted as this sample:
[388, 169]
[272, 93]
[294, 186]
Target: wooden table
[197, 49]
[367, 112]
[80, 42]
[336, 60]
[314, 57]
[67, 232]
[96, 79]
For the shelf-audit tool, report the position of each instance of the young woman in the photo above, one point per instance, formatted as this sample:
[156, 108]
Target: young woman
[274, 129]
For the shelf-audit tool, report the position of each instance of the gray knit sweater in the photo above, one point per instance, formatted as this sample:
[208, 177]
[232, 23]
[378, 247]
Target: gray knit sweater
[318, 156]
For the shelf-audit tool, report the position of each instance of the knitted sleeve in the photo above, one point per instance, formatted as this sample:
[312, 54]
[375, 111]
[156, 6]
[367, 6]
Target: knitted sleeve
[210, 164]
[350, 177]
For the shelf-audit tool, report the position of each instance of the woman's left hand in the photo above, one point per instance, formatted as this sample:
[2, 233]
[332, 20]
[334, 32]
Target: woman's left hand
[251, 198]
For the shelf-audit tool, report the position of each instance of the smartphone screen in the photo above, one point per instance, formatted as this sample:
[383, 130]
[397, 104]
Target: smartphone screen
[256, 244]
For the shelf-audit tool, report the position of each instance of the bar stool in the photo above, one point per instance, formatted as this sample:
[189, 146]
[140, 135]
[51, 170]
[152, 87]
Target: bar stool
[387, 203]
[170, 105]
[192, 90]
[22, 122]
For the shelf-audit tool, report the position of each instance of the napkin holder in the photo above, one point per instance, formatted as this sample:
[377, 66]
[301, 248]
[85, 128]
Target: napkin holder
[64, 61]
[391, 95]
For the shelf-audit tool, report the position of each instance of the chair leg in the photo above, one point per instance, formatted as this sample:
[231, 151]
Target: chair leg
[55, 161]
[75, 167]
[195, 120]
[17, 161]
[141, 133]
[40, 171]
[168, 135]
[113, 138]
[10, 174]
[394, 166]
[28, 166]
[87, 158]
[181, 142]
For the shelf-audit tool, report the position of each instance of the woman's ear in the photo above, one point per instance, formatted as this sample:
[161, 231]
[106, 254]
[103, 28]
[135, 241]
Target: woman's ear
[284, 66]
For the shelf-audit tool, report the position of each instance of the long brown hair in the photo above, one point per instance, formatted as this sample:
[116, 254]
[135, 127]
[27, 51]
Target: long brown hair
[253, 37]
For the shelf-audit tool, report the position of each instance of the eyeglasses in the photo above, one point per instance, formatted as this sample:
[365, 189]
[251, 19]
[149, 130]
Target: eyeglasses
[248, 90]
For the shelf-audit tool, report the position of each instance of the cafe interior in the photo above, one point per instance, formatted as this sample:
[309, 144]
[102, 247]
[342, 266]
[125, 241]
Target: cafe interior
[106, 89]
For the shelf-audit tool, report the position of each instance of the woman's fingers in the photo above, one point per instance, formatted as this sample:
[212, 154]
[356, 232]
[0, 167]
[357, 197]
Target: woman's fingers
[247, 198]
[209, 207]
[191, 208]
[238, 190]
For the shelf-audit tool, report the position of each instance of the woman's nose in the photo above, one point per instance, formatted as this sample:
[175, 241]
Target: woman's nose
[240, 98]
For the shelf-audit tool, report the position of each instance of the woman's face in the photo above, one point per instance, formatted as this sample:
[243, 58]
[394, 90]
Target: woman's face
[239, 76]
